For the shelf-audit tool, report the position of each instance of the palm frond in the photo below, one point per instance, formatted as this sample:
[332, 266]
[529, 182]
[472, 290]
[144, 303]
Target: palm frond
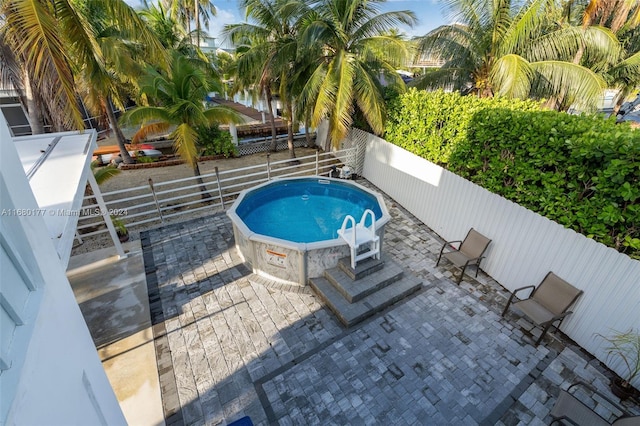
[143, 114]
[150, 129]
[223, 114]
[512, 76]
[369, 99]
[32, 31]
[528, 24]
[578, 84]
[380, 23]
[342, 115]
[185, 144]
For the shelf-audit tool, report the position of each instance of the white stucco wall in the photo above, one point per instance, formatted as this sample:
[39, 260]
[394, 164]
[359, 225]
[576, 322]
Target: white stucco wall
[55, 376]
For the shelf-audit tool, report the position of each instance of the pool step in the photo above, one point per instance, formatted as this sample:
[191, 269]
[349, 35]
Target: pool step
[363, 268]
[357, 289]
[355, 300]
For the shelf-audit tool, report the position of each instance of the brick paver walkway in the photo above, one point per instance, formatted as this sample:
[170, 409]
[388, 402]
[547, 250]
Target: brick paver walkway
[231, 344]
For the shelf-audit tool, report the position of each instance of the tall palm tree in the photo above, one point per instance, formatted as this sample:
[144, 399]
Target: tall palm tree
[346, 74]
[623, 18]
[178, 97]
[169, 31]
[104, 85]
[270, 59]
[198, 11]
[515, 51]
[49, 42]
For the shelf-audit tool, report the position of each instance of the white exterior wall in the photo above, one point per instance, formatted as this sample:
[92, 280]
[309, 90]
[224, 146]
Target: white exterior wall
[525, 245]
[51, 373]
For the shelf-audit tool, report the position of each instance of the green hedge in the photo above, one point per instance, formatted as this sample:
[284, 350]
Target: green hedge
[431, 124]
[580, 171]
[214, 141]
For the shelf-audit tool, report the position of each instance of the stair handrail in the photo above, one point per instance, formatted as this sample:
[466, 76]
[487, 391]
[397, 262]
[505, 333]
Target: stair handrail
[372, 227]
[343, 228]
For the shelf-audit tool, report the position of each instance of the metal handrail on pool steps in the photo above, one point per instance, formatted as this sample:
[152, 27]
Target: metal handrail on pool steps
[359, 235]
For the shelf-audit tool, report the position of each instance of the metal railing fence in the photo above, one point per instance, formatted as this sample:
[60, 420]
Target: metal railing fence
[159, 201]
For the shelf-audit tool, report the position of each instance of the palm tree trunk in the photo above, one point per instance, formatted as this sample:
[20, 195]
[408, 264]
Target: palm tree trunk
[36, 119]
[196, 14]
[113, 122]
[274, 142]
[292, 151]
[204, 194]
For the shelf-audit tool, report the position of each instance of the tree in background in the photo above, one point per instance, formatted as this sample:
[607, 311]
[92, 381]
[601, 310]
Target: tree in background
[269, 59]
[346, 74]
[176, 99]
[519, 52]
[45, 45]
[185, 11]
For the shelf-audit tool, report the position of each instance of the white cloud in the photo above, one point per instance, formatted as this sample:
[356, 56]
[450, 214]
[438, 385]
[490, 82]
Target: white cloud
[228, 15]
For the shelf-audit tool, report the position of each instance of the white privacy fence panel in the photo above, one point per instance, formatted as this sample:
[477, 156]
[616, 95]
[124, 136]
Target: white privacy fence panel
[525, 245]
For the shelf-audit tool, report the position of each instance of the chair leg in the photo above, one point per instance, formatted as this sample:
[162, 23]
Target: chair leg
[461, 274]
[439, 257]
[544, 332]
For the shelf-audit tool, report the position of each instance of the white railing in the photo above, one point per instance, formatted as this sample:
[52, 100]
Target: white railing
[524, 247]
[159, 201]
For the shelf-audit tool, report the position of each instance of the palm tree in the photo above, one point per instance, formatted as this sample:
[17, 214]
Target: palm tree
[179, 96]
[346, 74]
[36, 61]
[184, 11]
[270, 60]
[104, 85]
[623, 18]
[505, 50]
[44, 46]
[167, 29]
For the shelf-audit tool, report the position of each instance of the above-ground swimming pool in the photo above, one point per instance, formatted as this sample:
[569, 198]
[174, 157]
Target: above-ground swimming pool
[287, 228]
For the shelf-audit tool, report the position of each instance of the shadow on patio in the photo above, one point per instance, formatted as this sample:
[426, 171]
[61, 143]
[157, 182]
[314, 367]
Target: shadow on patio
[230, 344]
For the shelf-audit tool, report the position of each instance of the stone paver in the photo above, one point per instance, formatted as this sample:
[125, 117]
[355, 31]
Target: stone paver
[231, 344]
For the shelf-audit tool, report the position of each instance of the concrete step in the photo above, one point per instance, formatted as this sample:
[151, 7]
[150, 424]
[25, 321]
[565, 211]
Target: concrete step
[354, 290]
[353, 313]
[363, 268]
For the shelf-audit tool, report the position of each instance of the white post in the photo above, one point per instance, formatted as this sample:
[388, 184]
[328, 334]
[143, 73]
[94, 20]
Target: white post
[234, 133]
[105, 215]
[264, 117]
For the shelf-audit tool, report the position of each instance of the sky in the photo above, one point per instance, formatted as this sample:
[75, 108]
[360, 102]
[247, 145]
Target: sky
[429, 13]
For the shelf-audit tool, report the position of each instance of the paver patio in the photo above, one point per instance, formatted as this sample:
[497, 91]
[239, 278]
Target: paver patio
[231, 344]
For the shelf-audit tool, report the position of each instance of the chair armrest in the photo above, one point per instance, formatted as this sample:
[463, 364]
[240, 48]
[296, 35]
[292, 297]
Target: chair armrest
[514, 295]
[448, 243]
[522, 288]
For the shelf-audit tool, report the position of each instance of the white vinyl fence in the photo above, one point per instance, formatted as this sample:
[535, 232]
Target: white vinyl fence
[525, 245]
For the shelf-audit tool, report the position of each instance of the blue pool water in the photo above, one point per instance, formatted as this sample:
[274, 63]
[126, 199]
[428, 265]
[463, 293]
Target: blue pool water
[305, 210]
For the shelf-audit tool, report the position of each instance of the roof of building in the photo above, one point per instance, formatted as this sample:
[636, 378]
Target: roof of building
[57, 166]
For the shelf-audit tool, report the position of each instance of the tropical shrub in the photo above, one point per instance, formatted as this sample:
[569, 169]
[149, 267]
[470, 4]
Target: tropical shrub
[432, 124]
[580, 171]
[214, 141]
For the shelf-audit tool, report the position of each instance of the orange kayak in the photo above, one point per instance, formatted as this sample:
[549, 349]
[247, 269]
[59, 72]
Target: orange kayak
[113, 149]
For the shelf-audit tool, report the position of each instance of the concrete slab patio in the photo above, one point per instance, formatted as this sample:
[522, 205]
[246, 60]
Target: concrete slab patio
[113, 298]
[231, 344]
